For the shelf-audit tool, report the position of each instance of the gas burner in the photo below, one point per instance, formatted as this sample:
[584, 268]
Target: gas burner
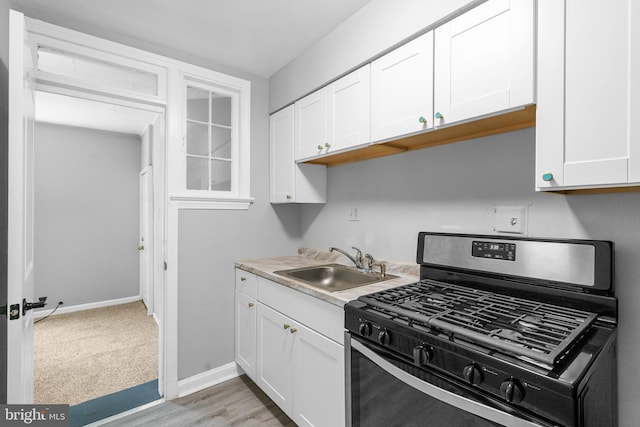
[539, 331]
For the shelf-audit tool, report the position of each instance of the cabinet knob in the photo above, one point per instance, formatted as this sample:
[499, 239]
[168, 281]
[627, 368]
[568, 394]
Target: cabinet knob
[422, 120]
[293, 330]
[243, 279]
[326, 144]
[286, 326]
[288, 197]
[439, 115]
[547, 177]
[319, 147]
[251, 304]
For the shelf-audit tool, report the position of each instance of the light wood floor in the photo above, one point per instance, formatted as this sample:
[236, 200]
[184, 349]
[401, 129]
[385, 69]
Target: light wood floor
[237, 402]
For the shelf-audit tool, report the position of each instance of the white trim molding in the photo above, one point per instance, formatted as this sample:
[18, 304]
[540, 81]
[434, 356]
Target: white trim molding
[188, 201]
[81, 307]
[208, 379]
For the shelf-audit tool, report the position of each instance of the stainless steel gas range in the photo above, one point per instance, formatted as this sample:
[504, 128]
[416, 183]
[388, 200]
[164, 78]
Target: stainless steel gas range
[498, 331]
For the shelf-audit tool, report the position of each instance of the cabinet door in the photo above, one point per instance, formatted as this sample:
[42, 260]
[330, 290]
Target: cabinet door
[402, 90]
[275, 357]
[584, 135]
[282, 164]
[292, 182]
[311, 125]
[484, 61]
[348, 110]
[319, 390]
[246, 333]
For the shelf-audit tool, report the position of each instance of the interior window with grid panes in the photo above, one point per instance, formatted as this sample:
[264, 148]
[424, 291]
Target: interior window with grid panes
[209, 140]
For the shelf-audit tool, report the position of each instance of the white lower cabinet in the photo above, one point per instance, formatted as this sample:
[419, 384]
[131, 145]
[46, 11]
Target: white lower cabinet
[299, 355]
[318, 388]
[300, 370]
[245, 322]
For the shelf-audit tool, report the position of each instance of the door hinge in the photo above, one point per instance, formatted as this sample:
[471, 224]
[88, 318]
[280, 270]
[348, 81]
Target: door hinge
[165, 266]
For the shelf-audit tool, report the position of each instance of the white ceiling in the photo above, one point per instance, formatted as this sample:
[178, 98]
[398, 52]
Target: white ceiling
[71, 111]
[256, 36]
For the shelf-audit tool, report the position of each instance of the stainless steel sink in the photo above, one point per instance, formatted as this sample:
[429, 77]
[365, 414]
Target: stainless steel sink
[334, 277]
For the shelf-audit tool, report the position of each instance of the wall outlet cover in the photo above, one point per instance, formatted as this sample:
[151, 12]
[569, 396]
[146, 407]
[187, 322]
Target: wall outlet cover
[510, 219]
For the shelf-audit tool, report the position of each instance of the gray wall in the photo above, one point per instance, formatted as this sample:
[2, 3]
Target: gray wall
[452, 188]
[86, 215]
[210, 242]
[4, 137]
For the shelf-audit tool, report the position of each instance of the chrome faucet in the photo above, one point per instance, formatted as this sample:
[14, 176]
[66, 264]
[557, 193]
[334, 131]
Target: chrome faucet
[358, 258]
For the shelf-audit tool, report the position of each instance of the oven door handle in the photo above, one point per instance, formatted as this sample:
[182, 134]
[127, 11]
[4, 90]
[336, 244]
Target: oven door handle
[445, 396]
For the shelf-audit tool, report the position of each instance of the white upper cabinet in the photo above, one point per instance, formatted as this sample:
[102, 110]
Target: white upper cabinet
[484, 61]
[311, 125]
[402, 90]
[291, 182]
[348, 110]
[335, 117]
[588, 94]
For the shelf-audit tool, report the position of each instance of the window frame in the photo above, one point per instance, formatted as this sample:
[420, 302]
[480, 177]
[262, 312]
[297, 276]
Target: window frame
[238, 197]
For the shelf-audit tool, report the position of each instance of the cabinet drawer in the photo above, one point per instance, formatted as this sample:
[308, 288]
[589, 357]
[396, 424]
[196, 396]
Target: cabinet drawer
[247, 283]
[321, 316]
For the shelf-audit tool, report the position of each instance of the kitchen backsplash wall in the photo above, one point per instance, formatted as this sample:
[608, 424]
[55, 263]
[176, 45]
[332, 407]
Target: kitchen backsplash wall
[453, 188]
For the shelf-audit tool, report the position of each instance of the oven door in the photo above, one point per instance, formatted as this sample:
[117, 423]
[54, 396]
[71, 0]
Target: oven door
[385, 390]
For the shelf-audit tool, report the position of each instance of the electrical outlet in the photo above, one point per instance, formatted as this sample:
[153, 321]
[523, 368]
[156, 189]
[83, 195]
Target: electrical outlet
[352, 214]
[510, 219]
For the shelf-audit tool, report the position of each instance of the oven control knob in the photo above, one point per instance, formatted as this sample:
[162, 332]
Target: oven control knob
[472, 374]
[364, 329]
[384, 337]
[421, 355]
[512, 391]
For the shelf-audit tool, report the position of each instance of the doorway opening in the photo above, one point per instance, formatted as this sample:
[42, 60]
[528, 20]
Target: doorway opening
[98, 207]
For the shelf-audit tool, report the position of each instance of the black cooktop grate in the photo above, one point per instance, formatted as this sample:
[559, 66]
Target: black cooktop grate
[518, 326]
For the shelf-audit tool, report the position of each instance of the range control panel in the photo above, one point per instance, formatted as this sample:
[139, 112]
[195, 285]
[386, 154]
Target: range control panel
[493, 250]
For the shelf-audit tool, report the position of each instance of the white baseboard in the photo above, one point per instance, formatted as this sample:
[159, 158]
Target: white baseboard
[208, 379]
[89, 306]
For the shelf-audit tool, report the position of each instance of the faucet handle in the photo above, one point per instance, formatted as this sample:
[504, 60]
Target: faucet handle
[358, 253]
[369, 259]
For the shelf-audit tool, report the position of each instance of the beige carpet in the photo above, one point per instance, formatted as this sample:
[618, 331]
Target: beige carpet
[83, 355]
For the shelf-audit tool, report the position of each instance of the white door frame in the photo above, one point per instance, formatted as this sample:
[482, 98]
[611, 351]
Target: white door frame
[146, 241]
[20, 348]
